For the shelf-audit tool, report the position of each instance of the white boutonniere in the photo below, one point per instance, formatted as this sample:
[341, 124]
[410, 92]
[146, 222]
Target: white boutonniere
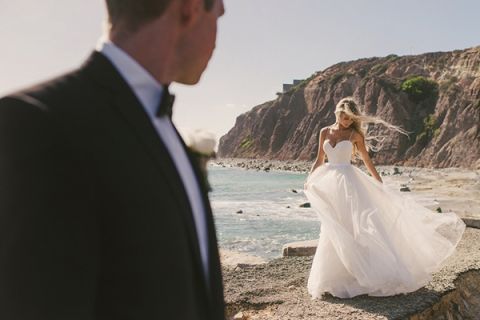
[201, 147]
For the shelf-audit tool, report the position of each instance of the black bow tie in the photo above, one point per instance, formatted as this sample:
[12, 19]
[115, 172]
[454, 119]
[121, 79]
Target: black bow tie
[166, 104]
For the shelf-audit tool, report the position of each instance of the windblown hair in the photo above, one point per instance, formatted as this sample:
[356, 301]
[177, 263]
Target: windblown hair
[361, 122]
[135, 13]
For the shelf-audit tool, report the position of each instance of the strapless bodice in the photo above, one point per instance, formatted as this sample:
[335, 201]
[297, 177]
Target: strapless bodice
[340, 154]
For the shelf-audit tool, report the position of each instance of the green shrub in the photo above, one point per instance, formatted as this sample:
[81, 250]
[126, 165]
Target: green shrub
[392, 57]
[419, 88]
[246, 143]
[337, 76]
[379, 68]
[362, 72]
[429, 122]
[430, 128]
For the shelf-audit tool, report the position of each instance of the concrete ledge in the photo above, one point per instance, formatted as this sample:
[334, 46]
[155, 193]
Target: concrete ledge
[300, 249]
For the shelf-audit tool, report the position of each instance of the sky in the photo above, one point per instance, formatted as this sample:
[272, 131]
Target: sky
[261, 44]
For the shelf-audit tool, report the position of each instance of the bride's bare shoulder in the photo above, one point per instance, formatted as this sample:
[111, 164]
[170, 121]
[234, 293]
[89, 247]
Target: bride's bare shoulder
[324, 131]
[356, 136]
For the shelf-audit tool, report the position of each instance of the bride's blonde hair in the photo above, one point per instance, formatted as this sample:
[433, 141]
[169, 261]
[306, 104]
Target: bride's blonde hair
[360, 124]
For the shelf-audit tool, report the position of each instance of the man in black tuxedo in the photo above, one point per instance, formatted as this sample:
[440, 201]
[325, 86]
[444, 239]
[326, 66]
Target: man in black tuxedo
[103, 214]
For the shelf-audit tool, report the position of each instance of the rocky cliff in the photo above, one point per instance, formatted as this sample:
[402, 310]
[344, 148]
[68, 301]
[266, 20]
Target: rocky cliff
[435, 96]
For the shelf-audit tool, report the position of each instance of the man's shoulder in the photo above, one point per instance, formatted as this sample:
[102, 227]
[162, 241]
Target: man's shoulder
[47, 93]
[49, 113]
[61, 93]
[32, 105]
[53, 105]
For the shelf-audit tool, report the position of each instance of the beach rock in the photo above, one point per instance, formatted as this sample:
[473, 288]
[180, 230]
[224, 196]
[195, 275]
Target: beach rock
[472, 223]
[305, 205]
[239, 316]
[405, 189]
[294, 191]
[239, 211]
[300, 249]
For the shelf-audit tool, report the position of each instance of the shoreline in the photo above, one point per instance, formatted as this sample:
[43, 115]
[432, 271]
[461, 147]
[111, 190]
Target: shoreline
[303, 166]
[264, 165]
[447, 189]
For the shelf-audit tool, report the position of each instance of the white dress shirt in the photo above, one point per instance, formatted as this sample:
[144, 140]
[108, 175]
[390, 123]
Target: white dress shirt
[149, 92]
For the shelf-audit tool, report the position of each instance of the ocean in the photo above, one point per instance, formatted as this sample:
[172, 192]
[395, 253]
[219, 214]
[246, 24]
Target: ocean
[270, 216]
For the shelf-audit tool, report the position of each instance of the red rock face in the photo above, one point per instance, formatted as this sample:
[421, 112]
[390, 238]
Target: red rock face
[444, 125]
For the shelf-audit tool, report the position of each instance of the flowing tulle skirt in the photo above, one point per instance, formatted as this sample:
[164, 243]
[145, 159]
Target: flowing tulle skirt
[374, 240]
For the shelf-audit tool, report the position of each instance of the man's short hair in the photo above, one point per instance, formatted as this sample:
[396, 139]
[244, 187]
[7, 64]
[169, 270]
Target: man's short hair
[134, 13]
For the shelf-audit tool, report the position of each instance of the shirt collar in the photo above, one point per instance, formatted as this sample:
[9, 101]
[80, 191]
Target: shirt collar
[145, 87]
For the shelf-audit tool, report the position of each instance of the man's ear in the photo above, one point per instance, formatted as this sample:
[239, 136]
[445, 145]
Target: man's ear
[190, 11]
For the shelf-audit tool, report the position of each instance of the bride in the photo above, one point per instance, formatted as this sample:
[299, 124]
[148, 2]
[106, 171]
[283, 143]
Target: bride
[373, 240]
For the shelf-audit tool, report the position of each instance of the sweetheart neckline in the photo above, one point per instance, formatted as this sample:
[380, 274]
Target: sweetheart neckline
[333, 147]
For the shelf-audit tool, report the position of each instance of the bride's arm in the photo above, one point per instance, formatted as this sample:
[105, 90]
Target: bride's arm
[321, 154]
[360, 142]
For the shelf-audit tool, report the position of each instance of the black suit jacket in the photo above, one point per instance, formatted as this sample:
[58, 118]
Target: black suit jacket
[94, 219]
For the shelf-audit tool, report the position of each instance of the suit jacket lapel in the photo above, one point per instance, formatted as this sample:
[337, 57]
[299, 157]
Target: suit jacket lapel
[127, 104]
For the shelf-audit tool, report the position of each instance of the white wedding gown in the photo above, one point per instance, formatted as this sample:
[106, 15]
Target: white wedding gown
[373, 240]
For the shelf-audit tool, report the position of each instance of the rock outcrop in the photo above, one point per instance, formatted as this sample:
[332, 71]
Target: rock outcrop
[443, 119]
